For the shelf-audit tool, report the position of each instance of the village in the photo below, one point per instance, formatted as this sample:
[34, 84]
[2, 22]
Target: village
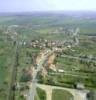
[46, 60]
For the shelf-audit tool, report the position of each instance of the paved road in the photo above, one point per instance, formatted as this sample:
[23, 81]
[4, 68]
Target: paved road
[77, 94]
[34, 80]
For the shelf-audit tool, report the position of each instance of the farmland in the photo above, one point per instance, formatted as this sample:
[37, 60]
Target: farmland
[32, 33]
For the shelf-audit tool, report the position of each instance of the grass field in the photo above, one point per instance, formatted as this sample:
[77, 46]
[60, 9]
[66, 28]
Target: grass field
[61, 95]
[41, 94]
[6, 64]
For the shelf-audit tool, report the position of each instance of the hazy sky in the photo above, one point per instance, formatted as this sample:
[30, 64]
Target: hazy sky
[46, 5]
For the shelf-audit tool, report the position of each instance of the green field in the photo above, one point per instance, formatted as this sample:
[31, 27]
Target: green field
[41, 94]
[61, 95]
[7, 52]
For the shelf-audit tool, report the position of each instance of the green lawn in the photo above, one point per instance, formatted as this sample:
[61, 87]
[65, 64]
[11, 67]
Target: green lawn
[61, 95]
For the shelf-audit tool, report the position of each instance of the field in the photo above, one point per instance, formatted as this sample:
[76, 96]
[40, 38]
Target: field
[7, 52]
[41, 94]
[61, 95]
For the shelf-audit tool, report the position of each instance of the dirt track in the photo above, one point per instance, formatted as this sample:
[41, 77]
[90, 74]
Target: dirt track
[78, 95]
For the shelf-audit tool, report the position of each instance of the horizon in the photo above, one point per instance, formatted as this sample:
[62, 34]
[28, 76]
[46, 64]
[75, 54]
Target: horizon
[54, 12]
[66, 13]
[46, 5]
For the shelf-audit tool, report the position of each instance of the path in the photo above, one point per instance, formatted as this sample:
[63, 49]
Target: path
[78, 94]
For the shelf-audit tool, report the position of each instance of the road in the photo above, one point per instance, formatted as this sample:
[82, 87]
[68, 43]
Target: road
[34, 80]
[78, 58]
[70, 74]
[77, 94]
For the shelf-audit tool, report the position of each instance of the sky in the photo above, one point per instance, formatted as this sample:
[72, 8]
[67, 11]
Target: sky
[46, 5]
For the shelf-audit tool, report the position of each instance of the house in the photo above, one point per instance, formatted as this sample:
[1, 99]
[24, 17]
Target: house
[57, 49]
[79, 86]
[60, 70]
[52, 67]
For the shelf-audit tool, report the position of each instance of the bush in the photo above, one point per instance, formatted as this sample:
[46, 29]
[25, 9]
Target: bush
[26, 76]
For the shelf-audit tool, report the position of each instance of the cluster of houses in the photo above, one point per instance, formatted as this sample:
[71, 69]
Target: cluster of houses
[44, 43]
